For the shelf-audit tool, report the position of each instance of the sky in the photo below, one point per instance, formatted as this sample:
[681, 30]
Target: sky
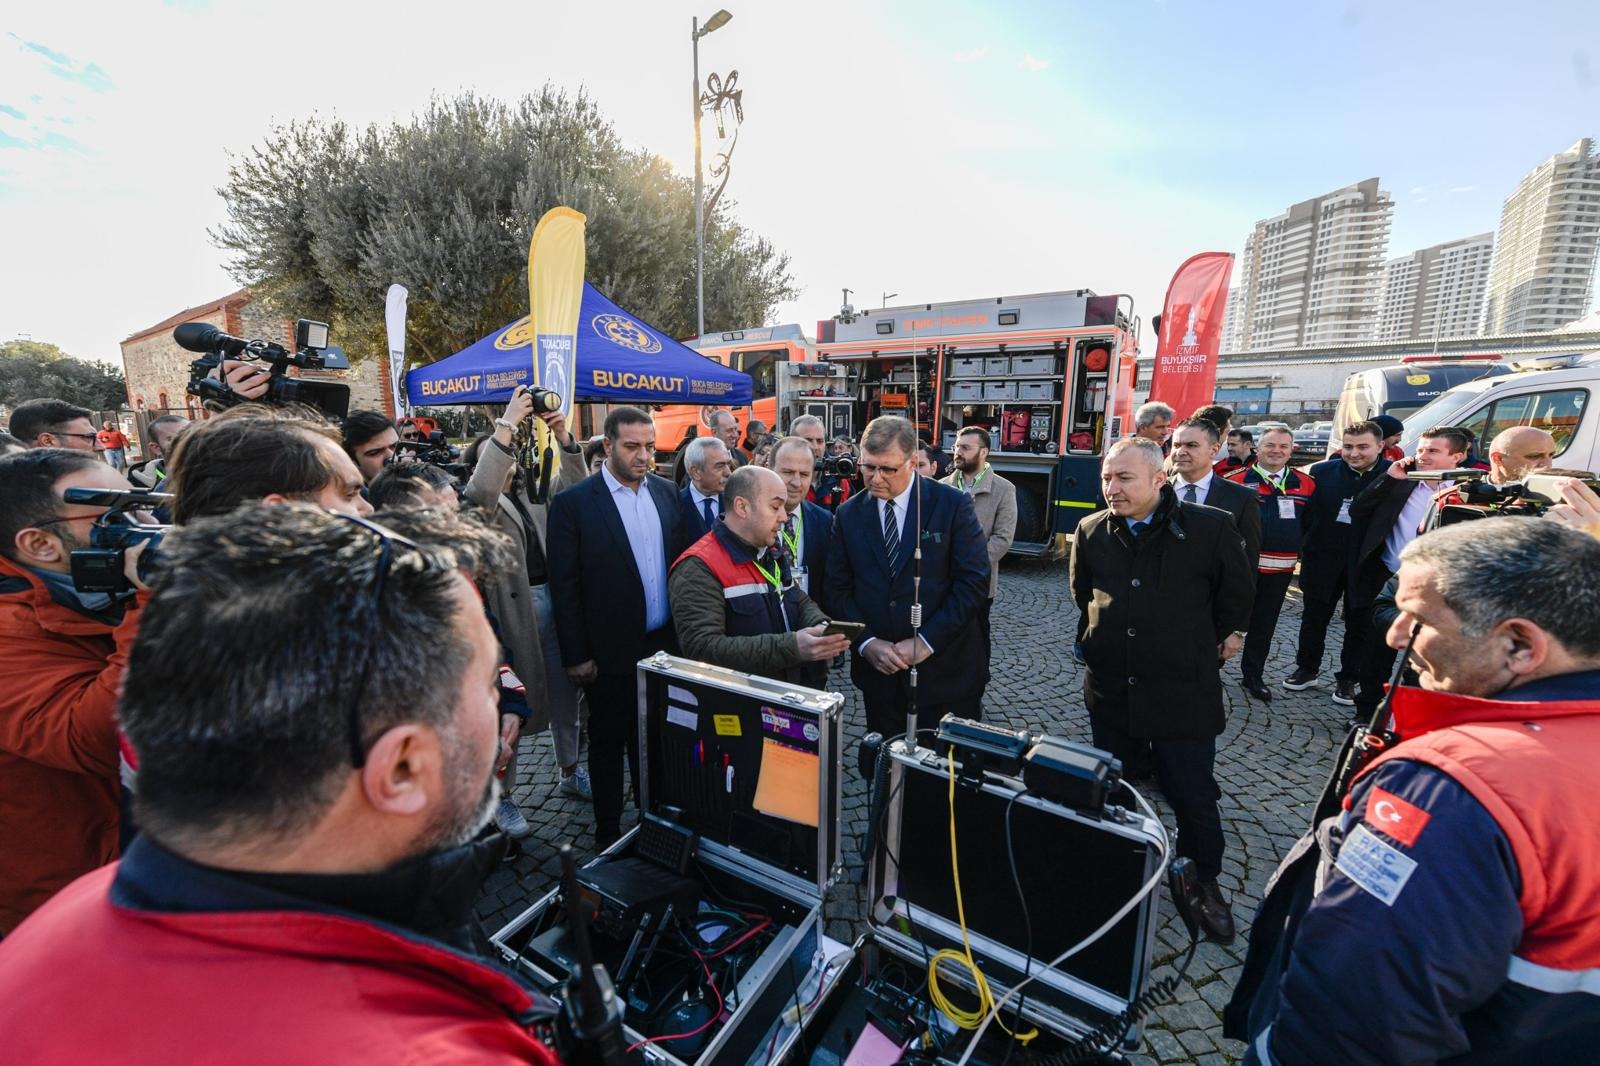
[926, 149]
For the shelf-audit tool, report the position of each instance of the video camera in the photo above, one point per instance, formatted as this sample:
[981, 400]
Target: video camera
[99, 567]
[1482, 498]
[311, 352]
[842, 466]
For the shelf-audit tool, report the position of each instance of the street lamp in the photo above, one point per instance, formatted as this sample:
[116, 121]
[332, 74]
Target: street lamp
[714, 23]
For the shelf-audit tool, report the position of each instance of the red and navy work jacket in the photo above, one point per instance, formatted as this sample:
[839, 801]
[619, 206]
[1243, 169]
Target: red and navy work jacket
[1283, 514]
[751, 598]
[1228, 464]
[1458, 915]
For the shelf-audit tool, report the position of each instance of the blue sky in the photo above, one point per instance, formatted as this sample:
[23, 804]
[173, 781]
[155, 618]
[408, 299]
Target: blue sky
[934, 150]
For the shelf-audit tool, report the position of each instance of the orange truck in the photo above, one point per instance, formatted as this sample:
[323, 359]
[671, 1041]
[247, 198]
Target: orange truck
[765, 353]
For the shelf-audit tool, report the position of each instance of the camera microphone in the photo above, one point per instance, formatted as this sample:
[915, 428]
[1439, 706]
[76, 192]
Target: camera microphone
[204, 337]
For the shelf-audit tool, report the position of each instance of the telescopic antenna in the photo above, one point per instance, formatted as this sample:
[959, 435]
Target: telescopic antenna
[916, 551]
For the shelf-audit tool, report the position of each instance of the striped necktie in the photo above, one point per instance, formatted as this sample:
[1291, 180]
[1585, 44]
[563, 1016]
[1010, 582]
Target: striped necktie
[891, 531]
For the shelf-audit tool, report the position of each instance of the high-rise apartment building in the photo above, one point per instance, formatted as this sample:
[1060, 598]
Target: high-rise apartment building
[1545, 251]
[1435, 292]
[1233, 321]
[1311, 274]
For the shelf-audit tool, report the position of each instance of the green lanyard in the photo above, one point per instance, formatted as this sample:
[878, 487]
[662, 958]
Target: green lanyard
[775, 578]
[975, 481]
[1278, 482]
[792, 542]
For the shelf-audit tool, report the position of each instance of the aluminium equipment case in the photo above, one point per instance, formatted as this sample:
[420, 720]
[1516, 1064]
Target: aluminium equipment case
[1076, 869]
[719, 751]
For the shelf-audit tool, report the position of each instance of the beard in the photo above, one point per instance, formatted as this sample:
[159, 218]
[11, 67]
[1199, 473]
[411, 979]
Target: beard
[470, 805]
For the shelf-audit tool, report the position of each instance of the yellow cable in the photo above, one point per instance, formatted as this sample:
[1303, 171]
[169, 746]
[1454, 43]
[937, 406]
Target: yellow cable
[962, 1018]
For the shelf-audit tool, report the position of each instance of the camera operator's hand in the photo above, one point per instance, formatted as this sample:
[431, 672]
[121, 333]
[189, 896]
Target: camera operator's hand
[130, 565]
[510, 729]
[520, 405]
[815, 647]
[558, 425]
[1581, 509]
[585, 673]
[246, 379]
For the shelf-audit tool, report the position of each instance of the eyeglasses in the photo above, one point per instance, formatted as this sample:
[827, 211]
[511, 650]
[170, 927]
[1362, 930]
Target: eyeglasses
[64, 433]
[386, 542]
[869, 469]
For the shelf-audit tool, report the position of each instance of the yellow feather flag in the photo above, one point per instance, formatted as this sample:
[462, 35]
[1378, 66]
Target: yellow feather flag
[555, 294]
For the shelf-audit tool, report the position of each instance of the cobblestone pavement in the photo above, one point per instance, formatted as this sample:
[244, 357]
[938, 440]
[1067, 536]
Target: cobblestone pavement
[1272, 761]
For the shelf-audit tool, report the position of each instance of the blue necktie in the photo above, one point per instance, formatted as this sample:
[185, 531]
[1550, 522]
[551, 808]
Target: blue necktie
[711, 519]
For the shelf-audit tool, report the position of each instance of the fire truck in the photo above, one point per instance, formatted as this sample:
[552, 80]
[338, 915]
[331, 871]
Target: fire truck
[1042, 374]
[775, 357]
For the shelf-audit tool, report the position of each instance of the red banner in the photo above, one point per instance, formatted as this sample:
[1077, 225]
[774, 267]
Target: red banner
[1191, 333]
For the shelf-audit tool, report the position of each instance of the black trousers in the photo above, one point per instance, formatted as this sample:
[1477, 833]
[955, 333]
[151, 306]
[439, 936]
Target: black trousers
[1186, 775]
[1321, 599]
[1374, 660]
[1264, 612]
[888, 715]
[614, 737]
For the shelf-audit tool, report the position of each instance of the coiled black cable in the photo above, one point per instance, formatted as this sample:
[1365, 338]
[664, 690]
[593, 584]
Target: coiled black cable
[1103, 1038]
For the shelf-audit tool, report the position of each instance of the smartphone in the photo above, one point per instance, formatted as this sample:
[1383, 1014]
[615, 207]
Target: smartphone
[845, 629]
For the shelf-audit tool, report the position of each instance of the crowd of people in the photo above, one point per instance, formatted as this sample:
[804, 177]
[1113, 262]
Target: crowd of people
[314, 704]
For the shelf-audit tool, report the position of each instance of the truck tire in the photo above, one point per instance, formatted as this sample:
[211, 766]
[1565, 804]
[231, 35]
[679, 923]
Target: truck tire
[1031, 528]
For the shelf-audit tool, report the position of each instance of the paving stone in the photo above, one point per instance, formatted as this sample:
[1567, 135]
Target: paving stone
[1271, 763]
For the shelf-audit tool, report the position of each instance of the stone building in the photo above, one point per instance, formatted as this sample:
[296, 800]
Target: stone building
[157, 369]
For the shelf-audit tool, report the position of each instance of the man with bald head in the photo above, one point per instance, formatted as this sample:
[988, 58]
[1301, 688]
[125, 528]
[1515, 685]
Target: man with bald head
[1519, 451]
[734, 598]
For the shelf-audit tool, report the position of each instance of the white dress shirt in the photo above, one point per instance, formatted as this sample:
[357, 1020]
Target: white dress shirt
[902, 504]
[699, 499]
[642, 523]
[1201, 487]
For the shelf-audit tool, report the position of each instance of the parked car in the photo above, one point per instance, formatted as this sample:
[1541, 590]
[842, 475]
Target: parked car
[1311, 443]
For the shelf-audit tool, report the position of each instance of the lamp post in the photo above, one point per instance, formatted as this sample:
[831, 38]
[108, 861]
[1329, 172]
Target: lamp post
[714, 23]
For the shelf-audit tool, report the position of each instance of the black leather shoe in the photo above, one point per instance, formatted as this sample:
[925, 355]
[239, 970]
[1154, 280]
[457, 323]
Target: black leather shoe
[1216, 917]
[1259, 691]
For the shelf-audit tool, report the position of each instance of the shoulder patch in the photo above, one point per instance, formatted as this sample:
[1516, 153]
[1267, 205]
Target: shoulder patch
[1380, 869]
[1394, 817]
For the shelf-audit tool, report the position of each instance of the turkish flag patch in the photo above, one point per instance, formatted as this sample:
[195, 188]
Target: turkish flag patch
[1394, 817]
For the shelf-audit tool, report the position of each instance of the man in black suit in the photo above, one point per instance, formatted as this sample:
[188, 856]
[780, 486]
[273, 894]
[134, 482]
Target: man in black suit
[870, 579]
[1167, 591]
[805, 533]
[1389, 512]
[1325, 560]
[708, 464]
[610, 540]
[1193, 455]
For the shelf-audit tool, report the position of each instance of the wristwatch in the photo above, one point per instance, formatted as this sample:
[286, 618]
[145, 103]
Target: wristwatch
[512, 426]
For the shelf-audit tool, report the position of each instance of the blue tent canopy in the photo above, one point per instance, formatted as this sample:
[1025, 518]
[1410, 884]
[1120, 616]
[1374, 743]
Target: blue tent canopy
[620, 360]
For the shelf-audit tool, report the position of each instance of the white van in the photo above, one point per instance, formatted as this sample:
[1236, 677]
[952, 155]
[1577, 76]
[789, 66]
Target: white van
[1558, 400]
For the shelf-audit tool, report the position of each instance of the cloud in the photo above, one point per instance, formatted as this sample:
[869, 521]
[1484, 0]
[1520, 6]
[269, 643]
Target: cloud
[972, 55]
[1032, 63]
[6, 109]
[91, 76]
[1417, 190]
[1463, 188]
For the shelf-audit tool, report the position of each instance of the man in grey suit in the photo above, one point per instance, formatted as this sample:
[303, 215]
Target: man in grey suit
[994, 499]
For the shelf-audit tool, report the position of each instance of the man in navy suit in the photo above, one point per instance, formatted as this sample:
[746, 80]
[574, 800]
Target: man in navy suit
[610, 540]
[804, 535]
[709, 465]
[870, 579]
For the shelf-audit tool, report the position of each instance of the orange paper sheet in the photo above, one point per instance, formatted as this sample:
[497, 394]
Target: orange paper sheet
[788, 783]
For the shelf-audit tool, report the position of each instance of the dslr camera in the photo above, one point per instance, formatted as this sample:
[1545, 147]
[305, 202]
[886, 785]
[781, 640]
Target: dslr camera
[99, 567]
[311, 352]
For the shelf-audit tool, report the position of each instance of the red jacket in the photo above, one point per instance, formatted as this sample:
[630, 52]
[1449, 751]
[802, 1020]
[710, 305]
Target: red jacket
[60, 672]
[90, 980]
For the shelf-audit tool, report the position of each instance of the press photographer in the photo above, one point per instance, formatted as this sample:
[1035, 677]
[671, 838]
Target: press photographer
[62, 656]
[232, 370]
[341, 796]
[1457, 914]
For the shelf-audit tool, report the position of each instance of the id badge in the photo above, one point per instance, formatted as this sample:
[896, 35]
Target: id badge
[1344, 512]
[801, 578]
[1286, 508]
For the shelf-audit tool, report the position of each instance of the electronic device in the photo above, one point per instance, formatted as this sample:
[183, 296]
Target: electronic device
[1074, 775]
[980, 746]
[853, 630]
[667, 844]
